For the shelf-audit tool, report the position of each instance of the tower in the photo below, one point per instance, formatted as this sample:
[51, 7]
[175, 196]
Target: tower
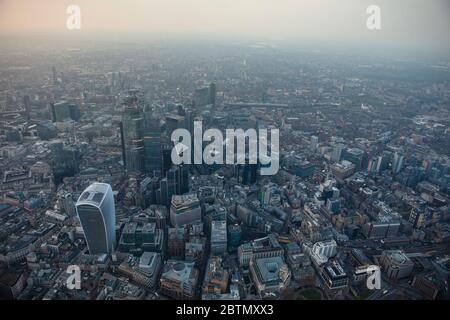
[97, 214]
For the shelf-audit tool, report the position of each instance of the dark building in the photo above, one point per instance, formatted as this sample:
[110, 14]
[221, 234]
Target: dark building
[248, 173]
[132, 129]
[356, 156]
[27, 106]
[152, 145]
[65, 161]
[63, 111]
[205, 96]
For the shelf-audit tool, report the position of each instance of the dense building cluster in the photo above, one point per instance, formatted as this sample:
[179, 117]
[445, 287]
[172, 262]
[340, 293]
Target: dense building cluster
[87, 177]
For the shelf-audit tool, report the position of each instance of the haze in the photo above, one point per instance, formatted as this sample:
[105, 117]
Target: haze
[412, 23]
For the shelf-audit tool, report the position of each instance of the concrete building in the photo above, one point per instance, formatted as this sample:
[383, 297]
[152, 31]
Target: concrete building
[216, 277]
[260, 248]
[334, 275]
[270, 275]
[396, 264]
[179, 280]
[185, 209]
[218, 237]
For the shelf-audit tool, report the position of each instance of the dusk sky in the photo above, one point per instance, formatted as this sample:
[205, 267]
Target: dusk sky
[404, 22]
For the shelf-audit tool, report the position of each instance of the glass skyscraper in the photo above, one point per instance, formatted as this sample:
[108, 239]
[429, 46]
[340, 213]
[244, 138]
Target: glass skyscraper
[96, 211]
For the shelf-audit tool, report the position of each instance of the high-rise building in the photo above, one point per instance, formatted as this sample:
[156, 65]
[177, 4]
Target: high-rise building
[65, 160]
[218, 237]
[314, 143]
[356, 156]
[97, 214]
[55, 78]
[64, 111]
[337, 152]
[132, 131]
[205, 96]
[249, 173]
[152, 145]
[185, 209]
[383, 161]
[27, 106]
[212, 93]
[234, 236]
[397, 163]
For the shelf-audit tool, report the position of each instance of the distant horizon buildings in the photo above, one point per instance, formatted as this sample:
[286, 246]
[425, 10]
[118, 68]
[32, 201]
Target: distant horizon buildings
[96, 211]
[205, 95]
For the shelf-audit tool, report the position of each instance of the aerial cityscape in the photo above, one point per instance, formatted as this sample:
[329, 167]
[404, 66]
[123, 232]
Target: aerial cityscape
[94, 207]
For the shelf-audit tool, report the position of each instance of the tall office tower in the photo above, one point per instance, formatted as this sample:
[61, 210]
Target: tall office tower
[65, 160]
[397, 163]
[212, 93]
[63, 111]
[55, 78]
[218, 237]
[152, 144]
[314, 143]
[166, 158]
[383, 161]
[205, 96]
[337, 152]
[234, 236]
[249, 174]
[97, 214]
[27, 106]
[173, 181]
[189, 120]
[201, 97]
[173, 122]
[132, 132]
[184, 178]
[163, 191]
[372, 165]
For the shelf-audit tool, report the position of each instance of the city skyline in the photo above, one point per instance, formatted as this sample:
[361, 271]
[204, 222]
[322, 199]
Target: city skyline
[138, 167]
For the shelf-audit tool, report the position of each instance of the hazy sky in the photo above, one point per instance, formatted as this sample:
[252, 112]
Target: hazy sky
[404, 22]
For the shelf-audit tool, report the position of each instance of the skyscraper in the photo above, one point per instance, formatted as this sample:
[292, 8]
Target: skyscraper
[205, 96]
[397, 163]
[314, 143]
[55, 78]
[152, 145]
[337, 152]
[96, 211]
[132, 132]
[27, 106]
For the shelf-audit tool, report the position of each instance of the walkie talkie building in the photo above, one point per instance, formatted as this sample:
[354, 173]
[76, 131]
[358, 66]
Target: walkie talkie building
[96, 211]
